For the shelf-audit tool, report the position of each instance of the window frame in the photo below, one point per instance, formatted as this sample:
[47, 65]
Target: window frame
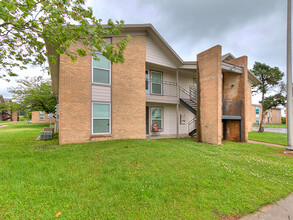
[110, 71]
[41, 113]
[151, 84]
[110, 118]
[162, 120]
[147, 72]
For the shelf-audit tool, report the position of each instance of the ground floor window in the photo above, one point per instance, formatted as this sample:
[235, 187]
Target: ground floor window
[157, 117]
[42, 116]
[101, 122]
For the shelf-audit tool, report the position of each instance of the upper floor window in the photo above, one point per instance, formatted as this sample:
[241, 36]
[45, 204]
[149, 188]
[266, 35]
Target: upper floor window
[102, 70]
[156, 85]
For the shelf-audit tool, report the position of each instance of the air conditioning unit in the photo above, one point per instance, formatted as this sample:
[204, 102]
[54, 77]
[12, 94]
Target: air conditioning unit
[46, 135]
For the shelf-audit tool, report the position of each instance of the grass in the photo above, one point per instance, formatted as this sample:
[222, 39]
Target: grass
[273, 126]
[136, 179]
[268, 137]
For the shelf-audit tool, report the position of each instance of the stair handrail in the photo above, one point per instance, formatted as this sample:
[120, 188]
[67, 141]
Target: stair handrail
[188, 93]
[192, 122]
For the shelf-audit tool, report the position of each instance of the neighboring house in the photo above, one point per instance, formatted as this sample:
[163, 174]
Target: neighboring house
[153, 93]
[273, 116]
[6, 115]
[41, 117]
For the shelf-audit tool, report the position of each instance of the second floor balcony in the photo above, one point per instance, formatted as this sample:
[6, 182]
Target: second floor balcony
[232, 109]
[161, 88]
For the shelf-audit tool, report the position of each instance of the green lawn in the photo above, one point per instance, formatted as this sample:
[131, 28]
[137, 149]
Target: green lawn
[136, 179]
[273, 126]
[268, 137]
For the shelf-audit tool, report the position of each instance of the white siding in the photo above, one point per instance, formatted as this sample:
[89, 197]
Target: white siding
[185, 80]
[154, 54]
[183, 129]
[101, 93]
[161, 99]
[170, 117]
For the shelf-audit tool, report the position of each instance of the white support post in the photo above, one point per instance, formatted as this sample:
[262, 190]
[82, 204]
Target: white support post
[289, 81]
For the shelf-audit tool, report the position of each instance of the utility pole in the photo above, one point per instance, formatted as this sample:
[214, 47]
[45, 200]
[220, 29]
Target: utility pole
[289, 81]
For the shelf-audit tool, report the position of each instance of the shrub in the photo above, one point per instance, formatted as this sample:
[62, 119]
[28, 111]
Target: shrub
[284, 120]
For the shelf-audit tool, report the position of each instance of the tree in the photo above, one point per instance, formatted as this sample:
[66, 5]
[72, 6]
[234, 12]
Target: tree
[270, 78]
[26, 26]
[34, 94]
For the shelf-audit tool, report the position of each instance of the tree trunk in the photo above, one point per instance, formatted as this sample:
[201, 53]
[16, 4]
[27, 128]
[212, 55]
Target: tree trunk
[261, 127]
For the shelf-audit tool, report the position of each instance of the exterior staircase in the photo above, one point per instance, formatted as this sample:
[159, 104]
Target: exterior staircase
[188, 100]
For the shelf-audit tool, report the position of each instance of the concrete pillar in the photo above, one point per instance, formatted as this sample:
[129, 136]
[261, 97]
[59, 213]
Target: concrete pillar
[209, 84]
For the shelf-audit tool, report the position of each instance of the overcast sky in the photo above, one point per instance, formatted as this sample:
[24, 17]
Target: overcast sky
[256, 28]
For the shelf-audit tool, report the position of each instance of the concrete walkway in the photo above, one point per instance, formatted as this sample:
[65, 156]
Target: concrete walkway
[277, 130]
[282, 210]
[268, 144]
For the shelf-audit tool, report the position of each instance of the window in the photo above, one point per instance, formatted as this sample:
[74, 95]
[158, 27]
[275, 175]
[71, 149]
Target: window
[101, 118]
[182, 119]
[101, 70]
[157, 117]
[42, 116]
[147, 82]
[156, 79]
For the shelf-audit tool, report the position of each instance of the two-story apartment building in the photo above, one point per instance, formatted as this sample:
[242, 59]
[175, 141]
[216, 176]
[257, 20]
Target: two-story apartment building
[153, 93]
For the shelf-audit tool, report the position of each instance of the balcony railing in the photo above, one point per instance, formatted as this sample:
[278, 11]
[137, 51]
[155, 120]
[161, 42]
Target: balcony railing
[232, 107]
[163, 88]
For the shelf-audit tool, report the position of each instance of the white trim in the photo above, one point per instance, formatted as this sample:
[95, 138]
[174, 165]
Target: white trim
[110, 118]
[149, 84]
[110, 72]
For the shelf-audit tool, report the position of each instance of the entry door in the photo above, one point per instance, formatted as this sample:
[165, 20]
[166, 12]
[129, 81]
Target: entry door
[147, 120]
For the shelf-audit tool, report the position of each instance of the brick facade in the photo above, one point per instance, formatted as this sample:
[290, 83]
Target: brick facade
[128, 91]
[36, 118]
[128, 96]
[243, 94]
[209, 86]
[74, 99]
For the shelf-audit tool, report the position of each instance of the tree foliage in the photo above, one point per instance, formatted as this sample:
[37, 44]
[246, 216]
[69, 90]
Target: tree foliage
[26, 26]
[34, 94]
[270, 78]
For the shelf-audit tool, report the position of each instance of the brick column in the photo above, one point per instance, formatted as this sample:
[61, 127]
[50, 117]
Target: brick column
[209, 84]
[244, 95]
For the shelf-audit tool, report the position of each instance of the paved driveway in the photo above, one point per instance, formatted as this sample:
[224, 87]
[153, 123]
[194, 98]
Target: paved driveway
[278, 130]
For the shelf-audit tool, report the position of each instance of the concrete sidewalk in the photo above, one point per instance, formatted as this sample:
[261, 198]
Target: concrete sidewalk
[277, 130]
[268, 144]
[282, 210]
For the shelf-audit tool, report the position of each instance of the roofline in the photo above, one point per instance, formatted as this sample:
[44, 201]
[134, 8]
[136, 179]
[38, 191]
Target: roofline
[150, 27]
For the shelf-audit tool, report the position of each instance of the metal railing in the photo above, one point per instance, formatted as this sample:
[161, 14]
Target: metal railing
[184, 94]
[163, 88]
[191, 125]
[232, 107]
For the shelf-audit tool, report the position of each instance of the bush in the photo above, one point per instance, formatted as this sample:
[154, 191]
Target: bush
[22, 118]
[284, 120]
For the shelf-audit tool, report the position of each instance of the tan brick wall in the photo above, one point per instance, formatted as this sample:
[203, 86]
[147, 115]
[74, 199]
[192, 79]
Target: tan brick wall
[128, 91]
[209, 84]
[74, 99]
[36, 116]
[243, 93]
[275, 119]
